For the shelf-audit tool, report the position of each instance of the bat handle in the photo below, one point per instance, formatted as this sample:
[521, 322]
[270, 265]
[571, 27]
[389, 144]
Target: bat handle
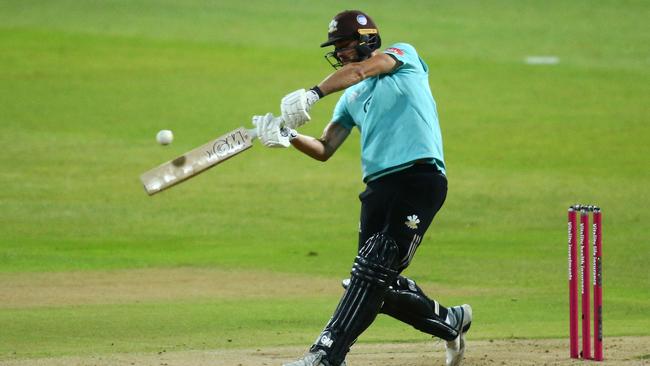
[252, 132]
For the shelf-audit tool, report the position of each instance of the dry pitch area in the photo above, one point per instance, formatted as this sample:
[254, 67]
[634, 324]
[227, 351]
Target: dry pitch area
[125, 286]
[619, 351]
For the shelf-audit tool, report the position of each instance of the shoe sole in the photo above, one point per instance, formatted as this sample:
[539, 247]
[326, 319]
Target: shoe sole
[465, 327]
[464, 330]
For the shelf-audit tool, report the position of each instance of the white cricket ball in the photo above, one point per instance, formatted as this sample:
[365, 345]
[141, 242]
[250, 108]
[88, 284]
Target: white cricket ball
[165, 137]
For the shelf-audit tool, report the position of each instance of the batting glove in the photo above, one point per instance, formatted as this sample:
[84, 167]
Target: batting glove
[270, 132]
[295, 107]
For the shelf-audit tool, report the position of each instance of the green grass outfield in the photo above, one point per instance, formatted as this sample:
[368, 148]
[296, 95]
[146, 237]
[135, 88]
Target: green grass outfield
[85, 86]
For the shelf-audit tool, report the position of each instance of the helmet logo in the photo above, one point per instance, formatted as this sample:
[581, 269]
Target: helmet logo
[332, 26]
[361, 19]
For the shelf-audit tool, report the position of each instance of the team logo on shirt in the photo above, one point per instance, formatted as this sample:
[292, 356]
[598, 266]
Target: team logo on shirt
[366, 104]
[395, 51]
[412, 221]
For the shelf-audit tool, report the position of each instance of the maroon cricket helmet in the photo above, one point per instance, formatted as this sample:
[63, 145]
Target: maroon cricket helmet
[350, 24]
[353, 25]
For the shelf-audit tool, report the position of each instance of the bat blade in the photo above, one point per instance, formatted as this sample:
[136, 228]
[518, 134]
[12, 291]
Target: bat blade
[197, 160]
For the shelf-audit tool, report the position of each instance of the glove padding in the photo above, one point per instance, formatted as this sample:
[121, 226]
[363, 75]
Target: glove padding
[295, 107]
[270, 132]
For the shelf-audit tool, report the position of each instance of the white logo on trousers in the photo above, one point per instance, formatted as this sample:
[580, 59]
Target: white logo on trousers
[412, 221]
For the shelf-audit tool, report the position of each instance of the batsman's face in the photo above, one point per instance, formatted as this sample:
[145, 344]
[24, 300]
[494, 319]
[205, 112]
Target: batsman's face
[346, 52]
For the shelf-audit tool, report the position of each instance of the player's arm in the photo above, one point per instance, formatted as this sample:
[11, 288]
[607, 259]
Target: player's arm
[295, 106]
[324, 147]
[356, 72]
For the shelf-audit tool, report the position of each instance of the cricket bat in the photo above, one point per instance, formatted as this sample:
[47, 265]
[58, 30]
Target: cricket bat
[197, 160]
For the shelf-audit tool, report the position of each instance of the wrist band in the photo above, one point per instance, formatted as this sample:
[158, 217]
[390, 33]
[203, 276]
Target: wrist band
[317, 90]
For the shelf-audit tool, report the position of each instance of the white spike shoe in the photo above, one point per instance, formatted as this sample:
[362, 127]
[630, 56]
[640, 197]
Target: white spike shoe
[312, 359]
[456, 348]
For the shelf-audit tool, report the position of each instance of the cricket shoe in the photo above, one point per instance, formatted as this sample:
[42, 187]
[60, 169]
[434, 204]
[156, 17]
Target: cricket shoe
[313, 359]
[463, 320]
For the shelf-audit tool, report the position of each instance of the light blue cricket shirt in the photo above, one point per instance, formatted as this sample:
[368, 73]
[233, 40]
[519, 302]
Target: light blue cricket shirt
[396, 115]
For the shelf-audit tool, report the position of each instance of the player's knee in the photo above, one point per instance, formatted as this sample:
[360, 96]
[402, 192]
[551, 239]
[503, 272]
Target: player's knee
[376, 261]
[381, 249]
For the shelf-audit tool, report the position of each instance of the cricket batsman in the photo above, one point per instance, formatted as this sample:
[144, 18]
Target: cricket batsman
[387, 98]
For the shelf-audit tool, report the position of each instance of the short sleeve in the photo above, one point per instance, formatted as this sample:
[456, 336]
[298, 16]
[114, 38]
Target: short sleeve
[406, 55]
[341, 114]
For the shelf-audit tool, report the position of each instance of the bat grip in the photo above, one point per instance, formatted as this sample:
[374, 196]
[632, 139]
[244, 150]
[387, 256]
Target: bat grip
[252, 132]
